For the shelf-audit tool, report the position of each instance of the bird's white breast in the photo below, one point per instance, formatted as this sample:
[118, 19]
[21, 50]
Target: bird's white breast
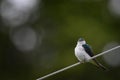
[81, 54]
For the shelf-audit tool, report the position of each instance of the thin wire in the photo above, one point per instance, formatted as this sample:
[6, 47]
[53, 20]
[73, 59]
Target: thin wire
[58, 71]
[102, 53]
[73, 65]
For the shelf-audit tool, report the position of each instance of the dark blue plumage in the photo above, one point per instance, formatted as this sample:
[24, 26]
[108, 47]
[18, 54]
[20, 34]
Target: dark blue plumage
[88, 49]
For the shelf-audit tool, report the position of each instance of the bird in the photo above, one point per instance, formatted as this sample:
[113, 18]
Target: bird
[84, 52]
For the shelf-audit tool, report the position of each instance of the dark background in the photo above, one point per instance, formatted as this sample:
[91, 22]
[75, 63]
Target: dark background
[61, 23]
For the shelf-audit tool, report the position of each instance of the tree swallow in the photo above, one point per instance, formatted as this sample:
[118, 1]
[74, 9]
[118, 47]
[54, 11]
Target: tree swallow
[83, 52]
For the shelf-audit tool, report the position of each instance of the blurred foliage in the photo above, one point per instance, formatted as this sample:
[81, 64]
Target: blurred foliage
[63, 22]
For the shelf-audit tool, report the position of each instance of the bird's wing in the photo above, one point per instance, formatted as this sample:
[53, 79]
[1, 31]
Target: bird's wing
[95, 62]
[88, 49]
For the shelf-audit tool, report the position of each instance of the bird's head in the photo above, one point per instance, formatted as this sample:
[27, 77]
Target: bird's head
[81, 41]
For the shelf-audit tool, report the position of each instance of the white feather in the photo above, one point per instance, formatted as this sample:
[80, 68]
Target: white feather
[80, 53]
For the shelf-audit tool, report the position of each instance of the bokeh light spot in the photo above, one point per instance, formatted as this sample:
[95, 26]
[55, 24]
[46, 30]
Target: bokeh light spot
[114, 7]
[15, 13]
[113, 57]
[24, 39]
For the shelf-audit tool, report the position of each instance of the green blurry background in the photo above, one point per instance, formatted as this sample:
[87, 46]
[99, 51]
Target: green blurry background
[62, 23]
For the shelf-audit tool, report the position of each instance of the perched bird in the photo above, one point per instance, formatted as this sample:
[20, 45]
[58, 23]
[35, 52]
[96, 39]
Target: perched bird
[83, 52]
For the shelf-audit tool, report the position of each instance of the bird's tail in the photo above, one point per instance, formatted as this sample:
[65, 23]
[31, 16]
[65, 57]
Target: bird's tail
[99, 65]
